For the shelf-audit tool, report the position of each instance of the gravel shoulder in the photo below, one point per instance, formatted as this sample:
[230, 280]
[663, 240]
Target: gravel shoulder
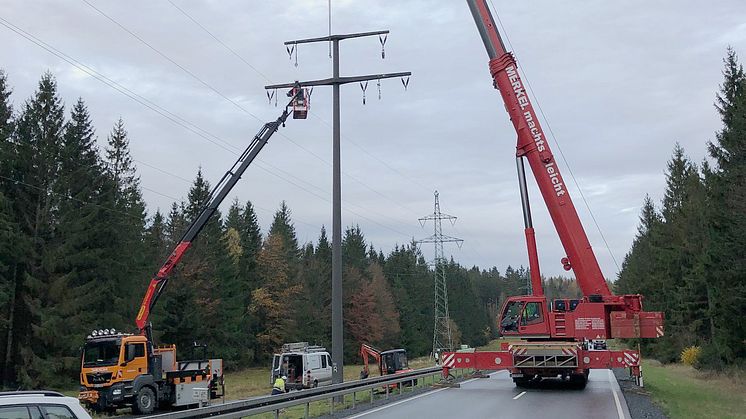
[639, 402]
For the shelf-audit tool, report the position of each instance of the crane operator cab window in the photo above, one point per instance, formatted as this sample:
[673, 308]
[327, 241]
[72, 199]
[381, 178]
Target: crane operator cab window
[531, 314]
[522, 317]
[394, 361]
[509, 322]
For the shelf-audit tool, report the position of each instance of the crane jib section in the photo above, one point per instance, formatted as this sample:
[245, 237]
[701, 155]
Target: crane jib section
[533, 146]
[216, 197]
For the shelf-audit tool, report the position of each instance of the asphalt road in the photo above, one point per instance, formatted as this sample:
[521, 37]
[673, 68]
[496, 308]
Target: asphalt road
[497, 397]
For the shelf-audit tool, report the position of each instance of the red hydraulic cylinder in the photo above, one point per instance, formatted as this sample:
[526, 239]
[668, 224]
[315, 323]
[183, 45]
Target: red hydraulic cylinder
[533, 263]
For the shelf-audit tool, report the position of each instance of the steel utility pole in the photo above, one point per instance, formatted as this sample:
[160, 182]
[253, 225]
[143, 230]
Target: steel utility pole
[442, 340]
[336, 81]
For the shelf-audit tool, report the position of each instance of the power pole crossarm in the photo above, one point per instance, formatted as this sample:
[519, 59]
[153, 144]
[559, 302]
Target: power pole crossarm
[339, 80]
[338, 37]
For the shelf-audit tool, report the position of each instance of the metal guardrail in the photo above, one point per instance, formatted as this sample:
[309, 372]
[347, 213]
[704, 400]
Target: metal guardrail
[238, 409]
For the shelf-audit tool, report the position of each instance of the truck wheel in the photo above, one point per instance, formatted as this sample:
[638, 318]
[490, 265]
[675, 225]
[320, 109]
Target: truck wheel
[522, 382]
[579, 381]
[315, 383]
[144, 401]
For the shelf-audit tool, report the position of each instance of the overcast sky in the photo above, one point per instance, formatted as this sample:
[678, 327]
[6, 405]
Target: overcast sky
[620, 83]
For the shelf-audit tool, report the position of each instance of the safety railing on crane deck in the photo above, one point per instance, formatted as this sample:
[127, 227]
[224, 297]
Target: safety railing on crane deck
[376, 389]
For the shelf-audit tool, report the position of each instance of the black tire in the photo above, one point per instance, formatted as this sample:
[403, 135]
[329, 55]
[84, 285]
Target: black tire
[315, 383]
[579, 381]
[522, 382]
[144, 403]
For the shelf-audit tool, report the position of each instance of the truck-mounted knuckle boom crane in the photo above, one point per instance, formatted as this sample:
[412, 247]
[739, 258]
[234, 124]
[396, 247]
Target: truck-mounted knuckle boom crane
[121, 369]
[557, 338]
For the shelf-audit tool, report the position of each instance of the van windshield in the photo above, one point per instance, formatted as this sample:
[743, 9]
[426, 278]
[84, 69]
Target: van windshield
[101, 353]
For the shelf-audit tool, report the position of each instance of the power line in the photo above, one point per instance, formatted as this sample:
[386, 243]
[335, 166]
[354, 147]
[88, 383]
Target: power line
[551, 132]
[232, 51]
[347, 140]
[218, 92]
[28, 185]
[198, 79]
[178, 121]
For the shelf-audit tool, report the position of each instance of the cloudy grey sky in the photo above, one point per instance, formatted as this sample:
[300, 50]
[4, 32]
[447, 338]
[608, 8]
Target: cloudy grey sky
[620, 83]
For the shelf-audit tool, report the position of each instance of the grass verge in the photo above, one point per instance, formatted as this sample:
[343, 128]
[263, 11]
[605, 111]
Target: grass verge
[252, 382]
[684, 392]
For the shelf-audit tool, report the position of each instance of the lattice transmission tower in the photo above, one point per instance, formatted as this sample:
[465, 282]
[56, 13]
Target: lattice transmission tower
[442, 340]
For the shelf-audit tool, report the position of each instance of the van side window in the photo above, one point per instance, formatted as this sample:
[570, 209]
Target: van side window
[329, 360]
[323, 361]
[314, 362]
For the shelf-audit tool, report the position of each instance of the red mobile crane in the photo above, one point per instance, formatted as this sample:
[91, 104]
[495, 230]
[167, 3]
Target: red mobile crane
[554, 338]
[121, 369]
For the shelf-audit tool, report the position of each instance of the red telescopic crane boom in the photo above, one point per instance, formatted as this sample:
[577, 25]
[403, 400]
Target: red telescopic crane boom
[532, 145]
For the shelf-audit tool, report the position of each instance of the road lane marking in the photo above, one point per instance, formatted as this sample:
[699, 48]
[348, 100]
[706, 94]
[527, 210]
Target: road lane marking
[386, 406]
[619, 409]
[519, 396]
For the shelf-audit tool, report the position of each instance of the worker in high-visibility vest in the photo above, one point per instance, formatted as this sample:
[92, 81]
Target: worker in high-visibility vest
[279, 386]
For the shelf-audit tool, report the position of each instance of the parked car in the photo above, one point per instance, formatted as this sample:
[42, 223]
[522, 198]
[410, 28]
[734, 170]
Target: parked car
[305, 366]
[40, 404]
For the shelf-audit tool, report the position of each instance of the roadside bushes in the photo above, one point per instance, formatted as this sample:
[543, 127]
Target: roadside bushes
[690, 355]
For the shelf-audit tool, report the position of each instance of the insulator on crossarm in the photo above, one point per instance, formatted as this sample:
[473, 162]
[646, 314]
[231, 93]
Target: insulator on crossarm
[405, 82]
[382, 39]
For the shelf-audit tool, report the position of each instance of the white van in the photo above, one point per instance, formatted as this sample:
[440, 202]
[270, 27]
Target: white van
[306, 366]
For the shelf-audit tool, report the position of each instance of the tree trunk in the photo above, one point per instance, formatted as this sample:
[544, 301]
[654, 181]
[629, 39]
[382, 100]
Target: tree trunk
[7, 372]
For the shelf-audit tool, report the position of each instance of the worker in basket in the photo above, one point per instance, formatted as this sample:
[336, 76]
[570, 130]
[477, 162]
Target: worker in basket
[279, 386]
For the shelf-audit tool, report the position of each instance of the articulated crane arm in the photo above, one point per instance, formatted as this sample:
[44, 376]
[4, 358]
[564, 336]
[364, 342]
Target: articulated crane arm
[216, 197]
[367, 351]
[532, 146]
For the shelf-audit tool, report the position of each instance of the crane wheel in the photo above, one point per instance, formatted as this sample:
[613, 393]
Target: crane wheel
[144, 401]
[579, 381]
[522, 382]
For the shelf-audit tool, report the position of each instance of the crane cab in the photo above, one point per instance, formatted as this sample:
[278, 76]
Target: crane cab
[394, 361]
[300, 102]
[525, 316]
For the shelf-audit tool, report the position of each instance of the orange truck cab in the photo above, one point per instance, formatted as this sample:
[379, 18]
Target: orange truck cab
[118, 370]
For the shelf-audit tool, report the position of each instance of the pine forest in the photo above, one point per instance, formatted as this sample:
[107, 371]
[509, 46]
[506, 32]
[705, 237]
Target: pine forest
[79, 246]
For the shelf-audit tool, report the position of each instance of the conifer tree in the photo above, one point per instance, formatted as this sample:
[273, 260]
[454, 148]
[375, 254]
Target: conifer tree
[282, 226]
[6, 110]
[129, 218]
[38, 145]
[726, 267]
[270, 302]
[8, 258]
[202, 268]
